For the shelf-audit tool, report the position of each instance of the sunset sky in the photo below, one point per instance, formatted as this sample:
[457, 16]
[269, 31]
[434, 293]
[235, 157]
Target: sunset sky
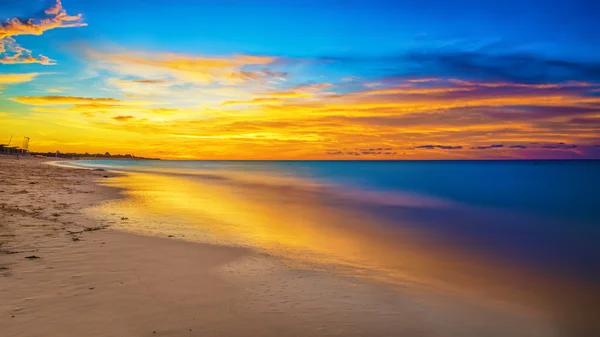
[303, 79]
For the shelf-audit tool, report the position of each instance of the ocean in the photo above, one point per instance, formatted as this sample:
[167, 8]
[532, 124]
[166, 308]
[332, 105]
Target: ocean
[512, 230]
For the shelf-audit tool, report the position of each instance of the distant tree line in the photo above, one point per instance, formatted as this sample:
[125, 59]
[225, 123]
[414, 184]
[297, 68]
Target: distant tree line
[88, 155]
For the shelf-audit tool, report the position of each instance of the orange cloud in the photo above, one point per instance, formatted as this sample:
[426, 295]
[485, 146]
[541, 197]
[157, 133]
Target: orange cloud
[88, 109]
[63, 106]
[21, 55]
[55, 17]
[16, 78]
[20, 59]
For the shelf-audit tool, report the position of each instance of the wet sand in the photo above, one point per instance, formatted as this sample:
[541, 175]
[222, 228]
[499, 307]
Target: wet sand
[64, 274]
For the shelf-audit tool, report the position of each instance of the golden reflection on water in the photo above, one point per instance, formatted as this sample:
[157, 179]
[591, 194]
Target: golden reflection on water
[302, 224]
[292, 221]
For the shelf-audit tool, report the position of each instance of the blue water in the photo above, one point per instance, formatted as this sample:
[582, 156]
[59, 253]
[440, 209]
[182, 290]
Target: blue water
[538, 214]
[569, 190]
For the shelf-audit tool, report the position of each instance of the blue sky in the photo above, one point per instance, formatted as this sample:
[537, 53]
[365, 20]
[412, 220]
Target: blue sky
[309, 27]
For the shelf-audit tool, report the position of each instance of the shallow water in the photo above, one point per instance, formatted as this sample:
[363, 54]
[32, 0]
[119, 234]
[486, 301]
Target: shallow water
[523, 232]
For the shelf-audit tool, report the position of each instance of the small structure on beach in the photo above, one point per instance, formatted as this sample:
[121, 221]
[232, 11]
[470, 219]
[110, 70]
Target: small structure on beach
[6, 149]
[25, 146]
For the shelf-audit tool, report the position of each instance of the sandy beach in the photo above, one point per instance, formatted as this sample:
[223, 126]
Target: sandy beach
[64, 274]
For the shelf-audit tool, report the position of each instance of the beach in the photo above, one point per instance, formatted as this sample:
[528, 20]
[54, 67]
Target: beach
[65, 272]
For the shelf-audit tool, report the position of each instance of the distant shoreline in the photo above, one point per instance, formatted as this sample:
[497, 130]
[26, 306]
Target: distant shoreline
[76, 157]
[341, 160]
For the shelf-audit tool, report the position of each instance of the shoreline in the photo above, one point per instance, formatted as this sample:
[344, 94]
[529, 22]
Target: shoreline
[88, 275]
[64, 273]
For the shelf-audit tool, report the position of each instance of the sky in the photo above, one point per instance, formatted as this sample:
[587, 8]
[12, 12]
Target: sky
[303, 79]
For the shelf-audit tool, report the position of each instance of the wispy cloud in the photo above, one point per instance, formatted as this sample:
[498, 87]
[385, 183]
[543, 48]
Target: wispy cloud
[235, 69]
[63, 100]
[255, 101]
[17, 78]
[57, 90]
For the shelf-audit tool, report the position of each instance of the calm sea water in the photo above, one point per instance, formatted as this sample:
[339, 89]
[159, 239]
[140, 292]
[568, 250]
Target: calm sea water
[566, 189]
[536, 214]
[526, 233]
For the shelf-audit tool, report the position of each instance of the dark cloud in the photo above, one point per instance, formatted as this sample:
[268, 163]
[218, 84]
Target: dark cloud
[562, 146]
[443, 147]
[493, 146]
[527, 112]
[122, 118]
[586, 121]
[375, 149]
[536, 145]
[363, 152]
[150, 81]
[261, 74]
[522, 68]
[484, 63]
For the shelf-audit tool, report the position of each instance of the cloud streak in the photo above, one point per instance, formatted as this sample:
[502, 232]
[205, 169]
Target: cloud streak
[122, 118]
[235, 69]
[487, 147]
[17, 78]
[520, 68]
[63, 100]
[482, 64]
[442, 147]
